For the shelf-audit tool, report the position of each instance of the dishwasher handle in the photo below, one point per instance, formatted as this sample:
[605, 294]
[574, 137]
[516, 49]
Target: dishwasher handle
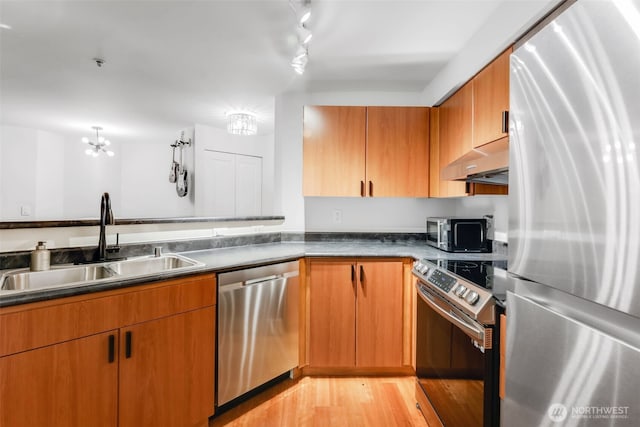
[252, 282]
[261, 279]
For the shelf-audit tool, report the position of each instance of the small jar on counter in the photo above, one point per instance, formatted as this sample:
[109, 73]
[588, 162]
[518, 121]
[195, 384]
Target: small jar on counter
[40, 257]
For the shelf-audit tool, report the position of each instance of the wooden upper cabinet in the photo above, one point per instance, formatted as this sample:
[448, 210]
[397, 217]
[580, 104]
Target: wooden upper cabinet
[366, 151]
[397, 151]
[455, 115]
[333, 150]
[491, 100]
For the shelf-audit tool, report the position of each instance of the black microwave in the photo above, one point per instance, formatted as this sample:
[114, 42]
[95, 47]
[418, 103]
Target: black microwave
[454, 234]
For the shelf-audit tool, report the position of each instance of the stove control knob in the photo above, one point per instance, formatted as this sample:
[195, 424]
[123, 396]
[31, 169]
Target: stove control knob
[424, 269]
[472, 297]
[460, 290]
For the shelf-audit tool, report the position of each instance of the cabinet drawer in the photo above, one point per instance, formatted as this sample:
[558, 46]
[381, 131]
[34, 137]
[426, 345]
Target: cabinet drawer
[38, 325]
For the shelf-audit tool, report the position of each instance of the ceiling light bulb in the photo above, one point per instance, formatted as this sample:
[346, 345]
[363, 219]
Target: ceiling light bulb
[107, 142]
[85, 139]
[307, 39]
[110, 153]
[305, 14]
[88, 151]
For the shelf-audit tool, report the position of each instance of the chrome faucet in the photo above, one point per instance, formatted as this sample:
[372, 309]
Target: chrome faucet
[106, 218]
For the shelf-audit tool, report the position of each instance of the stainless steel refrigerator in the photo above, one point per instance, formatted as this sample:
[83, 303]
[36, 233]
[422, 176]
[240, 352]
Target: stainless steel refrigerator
[573, 310]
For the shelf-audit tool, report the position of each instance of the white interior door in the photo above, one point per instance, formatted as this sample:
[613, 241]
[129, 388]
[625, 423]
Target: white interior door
[232, 184]
[248, 185]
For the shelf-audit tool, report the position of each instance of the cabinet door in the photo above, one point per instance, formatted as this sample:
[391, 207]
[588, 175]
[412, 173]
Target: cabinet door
[167, 376]
[232, 184]
[397, 151]
[248, 185]
[218, 178]
[333, 150]
[455, 136]
[332, 328]
[72, 384]
[379, 314]
[490, 100]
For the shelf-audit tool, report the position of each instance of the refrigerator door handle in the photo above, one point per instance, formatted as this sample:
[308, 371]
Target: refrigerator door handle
[445, 310]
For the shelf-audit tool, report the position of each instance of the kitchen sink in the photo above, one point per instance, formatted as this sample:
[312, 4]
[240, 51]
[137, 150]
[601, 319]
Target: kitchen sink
[151, 265]
[25, 280]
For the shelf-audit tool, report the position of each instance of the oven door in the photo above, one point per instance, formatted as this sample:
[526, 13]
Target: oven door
[455, 373]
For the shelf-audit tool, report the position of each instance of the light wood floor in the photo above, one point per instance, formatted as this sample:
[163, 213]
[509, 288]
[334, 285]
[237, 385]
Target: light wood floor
[319, 401]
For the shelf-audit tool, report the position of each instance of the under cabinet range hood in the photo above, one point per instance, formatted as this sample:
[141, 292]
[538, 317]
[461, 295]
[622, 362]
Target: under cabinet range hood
[487, 164]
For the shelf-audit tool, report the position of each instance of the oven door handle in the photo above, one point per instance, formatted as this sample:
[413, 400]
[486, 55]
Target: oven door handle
[445, 310]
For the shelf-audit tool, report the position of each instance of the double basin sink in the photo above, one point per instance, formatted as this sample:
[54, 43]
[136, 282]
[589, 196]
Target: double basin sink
[64, 276]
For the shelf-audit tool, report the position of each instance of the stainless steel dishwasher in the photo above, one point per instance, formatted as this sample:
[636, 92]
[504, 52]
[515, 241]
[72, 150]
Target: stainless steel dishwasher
[257, 327]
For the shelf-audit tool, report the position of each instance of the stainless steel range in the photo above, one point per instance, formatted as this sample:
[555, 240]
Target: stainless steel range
[457, 341]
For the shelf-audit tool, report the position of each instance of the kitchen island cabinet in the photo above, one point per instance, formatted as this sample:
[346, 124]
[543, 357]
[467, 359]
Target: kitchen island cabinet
[356, 316]
[366, 151]
[137, 356]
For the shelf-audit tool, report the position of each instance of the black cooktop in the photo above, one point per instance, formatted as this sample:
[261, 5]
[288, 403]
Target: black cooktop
[477, 272]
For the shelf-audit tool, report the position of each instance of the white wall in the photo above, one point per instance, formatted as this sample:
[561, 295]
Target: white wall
[145, 190]
[373, 214]
[507, 24]
[288, 160]
[31, 172]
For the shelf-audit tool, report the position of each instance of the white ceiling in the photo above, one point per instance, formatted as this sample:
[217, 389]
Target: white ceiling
[170, 64]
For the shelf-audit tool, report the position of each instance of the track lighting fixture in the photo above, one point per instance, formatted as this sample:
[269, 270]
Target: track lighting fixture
[302, 11]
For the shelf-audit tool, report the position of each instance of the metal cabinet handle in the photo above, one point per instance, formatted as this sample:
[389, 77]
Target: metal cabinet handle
[370, 188]
[361, 274]
[353, 273]
[112, 348]
[505, 122]
[127, 344]
[362, 189]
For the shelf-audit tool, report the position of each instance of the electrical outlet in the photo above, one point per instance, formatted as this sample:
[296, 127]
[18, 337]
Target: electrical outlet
[25, 210]
[337, 216]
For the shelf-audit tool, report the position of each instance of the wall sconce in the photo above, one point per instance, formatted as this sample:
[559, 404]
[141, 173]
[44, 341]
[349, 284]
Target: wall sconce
[97, 146]
[242, 124]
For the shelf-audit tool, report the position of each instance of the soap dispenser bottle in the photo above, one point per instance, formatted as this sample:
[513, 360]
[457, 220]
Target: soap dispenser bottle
[40, 257]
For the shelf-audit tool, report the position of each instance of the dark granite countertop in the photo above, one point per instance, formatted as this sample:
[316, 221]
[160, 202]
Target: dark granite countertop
[223, 259]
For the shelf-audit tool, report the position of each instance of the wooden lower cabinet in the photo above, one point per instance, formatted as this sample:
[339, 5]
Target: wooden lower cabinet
[156, 368]
[166, 377]
[332, 325]
[356, 314]
[72, 384]
[379, 314]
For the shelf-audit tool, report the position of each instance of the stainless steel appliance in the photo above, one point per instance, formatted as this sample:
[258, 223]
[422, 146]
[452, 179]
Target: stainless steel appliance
[487, 164]
[257, 327]
[457, 354]
[454, 234]
[573, 310]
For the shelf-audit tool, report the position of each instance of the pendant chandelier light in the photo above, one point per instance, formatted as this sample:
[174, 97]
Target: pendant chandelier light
[98, 145]
[242, 124]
